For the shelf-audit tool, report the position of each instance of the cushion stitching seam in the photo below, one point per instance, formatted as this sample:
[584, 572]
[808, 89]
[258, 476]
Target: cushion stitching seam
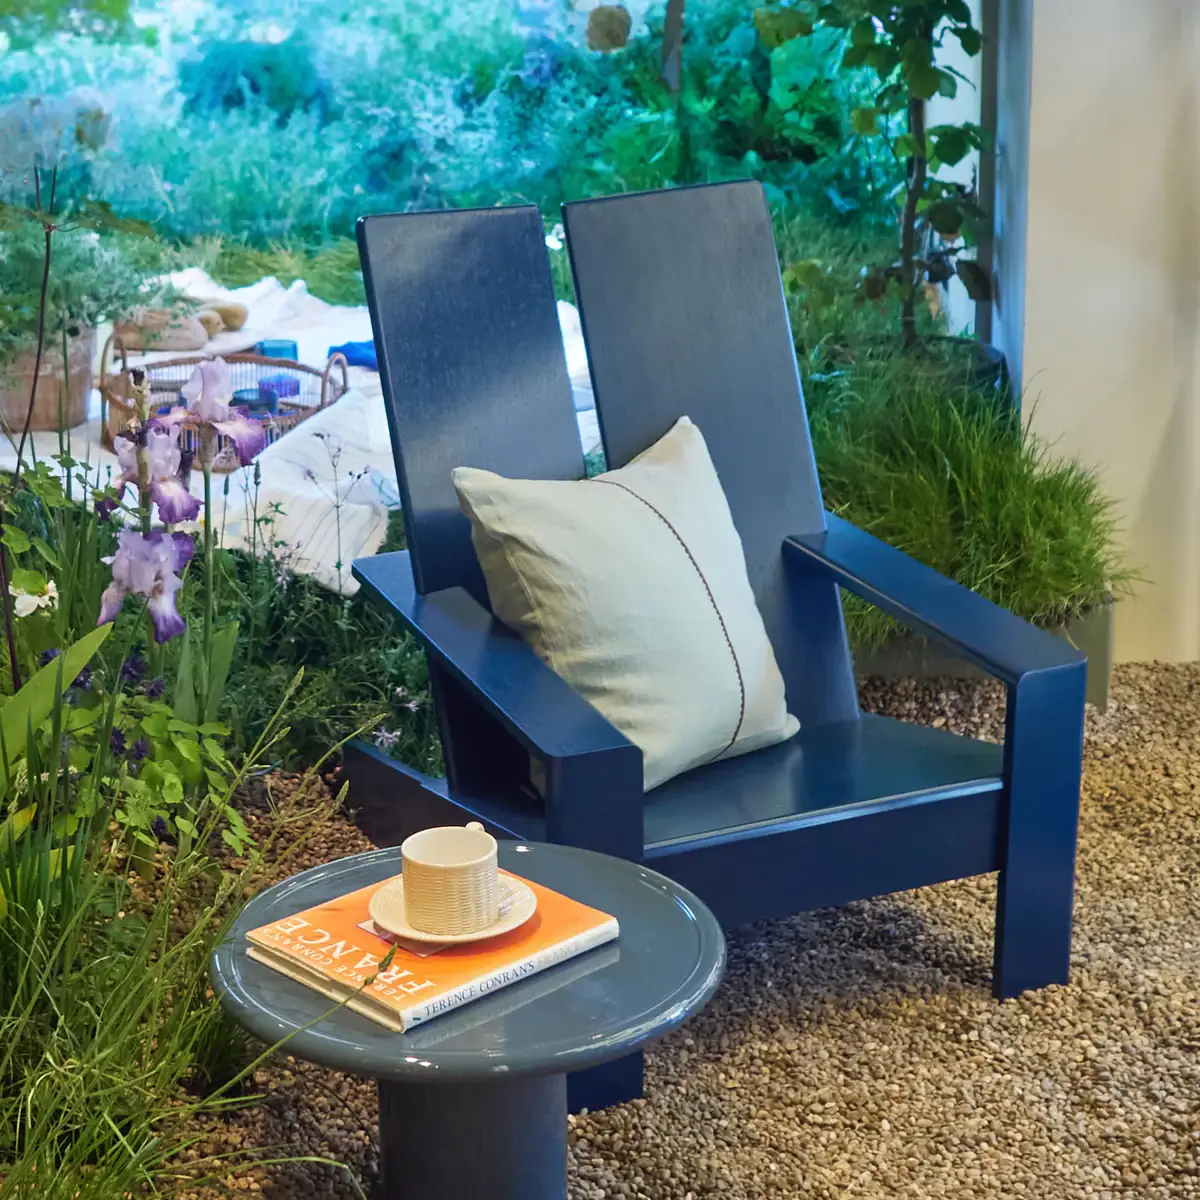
[737, 666]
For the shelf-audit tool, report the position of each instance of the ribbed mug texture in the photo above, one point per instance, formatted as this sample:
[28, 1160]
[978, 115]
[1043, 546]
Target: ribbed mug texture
[451, 884]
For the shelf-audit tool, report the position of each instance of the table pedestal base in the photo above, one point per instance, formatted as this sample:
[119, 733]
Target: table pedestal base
[503, 1140]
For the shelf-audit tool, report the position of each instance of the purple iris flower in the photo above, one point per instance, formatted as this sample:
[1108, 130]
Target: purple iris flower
[167, 489]
[116, 742]
[208, 394]
[155, 688]
[48, 656]
[139, 750]
[147, 564]
[133, 668]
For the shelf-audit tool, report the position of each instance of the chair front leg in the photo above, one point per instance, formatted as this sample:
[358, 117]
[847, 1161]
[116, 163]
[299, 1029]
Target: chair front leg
[595, 801]
[1043, 765]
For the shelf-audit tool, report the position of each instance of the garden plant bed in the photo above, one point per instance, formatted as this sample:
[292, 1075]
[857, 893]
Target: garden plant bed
[857, 1052]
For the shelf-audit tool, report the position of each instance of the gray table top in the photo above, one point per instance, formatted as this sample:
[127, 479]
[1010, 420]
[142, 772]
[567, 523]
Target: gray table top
[602, 1005]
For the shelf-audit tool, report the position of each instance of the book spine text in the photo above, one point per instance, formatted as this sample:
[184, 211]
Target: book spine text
[513, 972]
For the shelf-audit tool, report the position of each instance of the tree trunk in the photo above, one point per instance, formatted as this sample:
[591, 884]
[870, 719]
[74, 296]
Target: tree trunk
[918, 169]
[672, 46]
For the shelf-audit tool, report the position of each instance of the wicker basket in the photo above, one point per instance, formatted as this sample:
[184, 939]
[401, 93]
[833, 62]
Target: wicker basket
[316, 389]
[52, 407]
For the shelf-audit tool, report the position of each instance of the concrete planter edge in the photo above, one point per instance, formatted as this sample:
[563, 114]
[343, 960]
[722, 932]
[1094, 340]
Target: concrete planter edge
[911, 656]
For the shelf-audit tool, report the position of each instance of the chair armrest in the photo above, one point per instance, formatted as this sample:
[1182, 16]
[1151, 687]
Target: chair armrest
[543, 712]
[991, 637]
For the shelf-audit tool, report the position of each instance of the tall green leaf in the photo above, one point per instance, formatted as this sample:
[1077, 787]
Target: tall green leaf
[185, 704]
[223, 644]
[15, 824]
[35, 701]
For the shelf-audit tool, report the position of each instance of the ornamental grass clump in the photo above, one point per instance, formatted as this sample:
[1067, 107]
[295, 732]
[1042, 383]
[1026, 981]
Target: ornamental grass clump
[951, 477]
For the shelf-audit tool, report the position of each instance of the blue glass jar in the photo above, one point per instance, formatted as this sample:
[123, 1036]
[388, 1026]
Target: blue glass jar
[278, 348]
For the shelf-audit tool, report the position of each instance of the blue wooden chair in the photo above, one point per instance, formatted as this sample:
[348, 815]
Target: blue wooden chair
[684, 314]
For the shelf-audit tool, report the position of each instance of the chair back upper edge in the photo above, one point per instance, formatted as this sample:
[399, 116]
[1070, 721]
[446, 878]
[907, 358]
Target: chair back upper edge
[472, 367]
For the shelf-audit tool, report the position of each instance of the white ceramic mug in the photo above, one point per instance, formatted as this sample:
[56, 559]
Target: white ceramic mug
[451, 884]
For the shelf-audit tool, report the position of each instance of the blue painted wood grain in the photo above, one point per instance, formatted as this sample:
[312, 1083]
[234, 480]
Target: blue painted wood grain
[1043, 763]
[472, 365]
[591, 775]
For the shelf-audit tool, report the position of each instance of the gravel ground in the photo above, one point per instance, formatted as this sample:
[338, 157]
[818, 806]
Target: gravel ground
[856, 1053]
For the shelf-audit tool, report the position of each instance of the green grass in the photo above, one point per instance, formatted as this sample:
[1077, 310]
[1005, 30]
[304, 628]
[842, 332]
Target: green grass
[946, 474]
[832, 327]
[330, 271]
[361, 668]
[112, 1054]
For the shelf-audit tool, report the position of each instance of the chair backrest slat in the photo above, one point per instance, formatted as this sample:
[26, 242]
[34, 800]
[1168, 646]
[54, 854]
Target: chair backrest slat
[472, 365]
[683, 313]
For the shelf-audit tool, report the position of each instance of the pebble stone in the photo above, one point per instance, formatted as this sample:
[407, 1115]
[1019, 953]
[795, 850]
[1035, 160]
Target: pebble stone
[856, 1053]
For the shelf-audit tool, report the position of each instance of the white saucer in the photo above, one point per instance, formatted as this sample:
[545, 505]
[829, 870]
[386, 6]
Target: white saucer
[517, 905]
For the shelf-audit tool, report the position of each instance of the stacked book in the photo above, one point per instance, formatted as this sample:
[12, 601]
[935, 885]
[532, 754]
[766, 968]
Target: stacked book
[338, 950]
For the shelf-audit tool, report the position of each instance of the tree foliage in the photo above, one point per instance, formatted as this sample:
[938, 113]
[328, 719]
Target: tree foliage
[24, 22]
[898, 43]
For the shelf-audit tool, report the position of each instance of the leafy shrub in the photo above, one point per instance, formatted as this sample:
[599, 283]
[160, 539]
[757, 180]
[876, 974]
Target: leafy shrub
[600, 124]
[105, 1012]
[455, 107]
[900, 44]
[255, 177]
[90, 280]
[278, 75]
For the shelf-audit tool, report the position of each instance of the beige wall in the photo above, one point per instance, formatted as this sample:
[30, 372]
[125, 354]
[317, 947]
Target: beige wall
[1111, 299]
[959, 307]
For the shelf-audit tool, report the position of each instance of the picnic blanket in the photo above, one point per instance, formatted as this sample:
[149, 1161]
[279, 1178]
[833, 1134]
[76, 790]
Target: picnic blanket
[326, 488]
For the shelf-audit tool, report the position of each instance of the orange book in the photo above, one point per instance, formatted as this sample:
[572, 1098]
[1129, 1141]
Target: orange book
[335, 948]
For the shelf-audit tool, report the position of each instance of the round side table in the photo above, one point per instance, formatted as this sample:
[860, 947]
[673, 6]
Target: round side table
[474, 1103]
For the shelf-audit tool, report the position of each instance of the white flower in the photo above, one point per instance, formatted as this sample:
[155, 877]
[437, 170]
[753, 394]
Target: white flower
[30, 602]
[554, 239]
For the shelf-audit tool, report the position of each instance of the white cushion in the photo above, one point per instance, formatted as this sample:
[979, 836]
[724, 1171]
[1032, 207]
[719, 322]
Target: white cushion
[632, 586]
